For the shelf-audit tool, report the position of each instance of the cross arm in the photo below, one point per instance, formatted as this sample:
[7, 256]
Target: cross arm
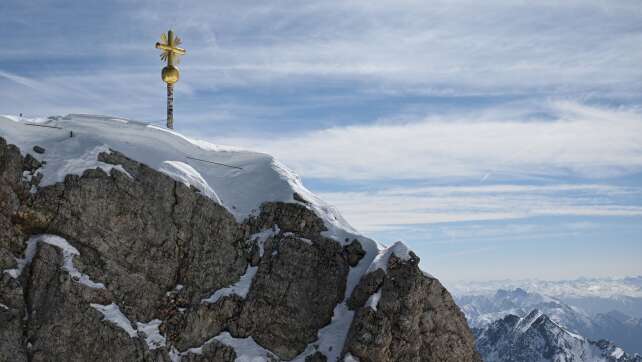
[172, 49]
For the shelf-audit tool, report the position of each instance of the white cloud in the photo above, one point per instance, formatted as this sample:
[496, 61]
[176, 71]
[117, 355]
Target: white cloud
[584, 48]
[580, 141]
[396, 207]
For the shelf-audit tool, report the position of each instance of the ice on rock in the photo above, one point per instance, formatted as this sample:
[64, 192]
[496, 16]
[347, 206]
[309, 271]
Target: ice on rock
[112, 314]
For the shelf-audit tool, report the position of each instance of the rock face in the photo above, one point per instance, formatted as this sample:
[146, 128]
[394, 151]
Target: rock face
[415, 318]
[143, 268]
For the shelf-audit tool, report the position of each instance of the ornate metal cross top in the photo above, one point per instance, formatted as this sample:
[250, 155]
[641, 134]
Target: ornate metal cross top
[171, 54]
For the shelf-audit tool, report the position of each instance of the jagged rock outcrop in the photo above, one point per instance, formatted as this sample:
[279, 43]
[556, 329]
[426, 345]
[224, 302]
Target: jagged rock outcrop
[126, 266]
[414, 318]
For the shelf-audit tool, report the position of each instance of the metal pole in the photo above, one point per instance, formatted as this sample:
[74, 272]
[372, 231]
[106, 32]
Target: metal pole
[170, 106]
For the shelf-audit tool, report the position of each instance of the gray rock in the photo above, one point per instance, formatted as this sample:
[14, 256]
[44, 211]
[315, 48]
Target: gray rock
[160, 247]
[12, 313]
[208, 320]
[367, 286]
[148, 234]
[30, 163]
[416, 319]
[293, 294]
[294, 218]
[62, 326]
[12, 191]
[354, 252]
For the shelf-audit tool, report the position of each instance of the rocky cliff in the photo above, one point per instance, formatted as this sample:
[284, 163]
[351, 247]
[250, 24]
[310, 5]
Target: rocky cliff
[124, 262]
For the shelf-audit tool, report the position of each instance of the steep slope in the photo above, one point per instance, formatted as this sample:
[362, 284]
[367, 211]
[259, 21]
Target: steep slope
[128, 242]
[536, 337]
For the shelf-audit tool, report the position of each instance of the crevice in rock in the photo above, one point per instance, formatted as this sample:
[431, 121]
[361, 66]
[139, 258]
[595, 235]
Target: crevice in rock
[61, 199]
[179, 242]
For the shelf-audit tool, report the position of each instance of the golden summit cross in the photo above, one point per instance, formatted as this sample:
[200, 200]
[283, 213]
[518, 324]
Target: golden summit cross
[171, 54]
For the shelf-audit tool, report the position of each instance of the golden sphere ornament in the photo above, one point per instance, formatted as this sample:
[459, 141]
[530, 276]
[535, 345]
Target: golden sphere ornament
[170, 74]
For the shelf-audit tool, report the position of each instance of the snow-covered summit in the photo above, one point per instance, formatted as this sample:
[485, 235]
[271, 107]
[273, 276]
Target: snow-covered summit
[238, 179]
[159, 248]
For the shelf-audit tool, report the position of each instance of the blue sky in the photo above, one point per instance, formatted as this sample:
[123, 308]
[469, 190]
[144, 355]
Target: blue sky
[498, 139]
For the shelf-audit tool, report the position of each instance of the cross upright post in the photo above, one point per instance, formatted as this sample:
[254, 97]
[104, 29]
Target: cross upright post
[170, 53]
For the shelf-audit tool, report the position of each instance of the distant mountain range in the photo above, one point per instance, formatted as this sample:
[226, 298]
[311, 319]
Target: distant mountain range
[599, 288]
[535, 337]
[484, 311]
[593, 295]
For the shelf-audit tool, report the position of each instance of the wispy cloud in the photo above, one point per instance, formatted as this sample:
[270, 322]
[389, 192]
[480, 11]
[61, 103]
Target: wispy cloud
[394, 207]
[459, 47]
[578, 141]
[577, 48]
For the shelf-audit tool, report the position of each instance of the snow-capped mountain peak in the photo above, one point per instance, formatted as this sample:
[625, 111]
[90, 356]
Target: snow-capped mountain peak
[536, 337]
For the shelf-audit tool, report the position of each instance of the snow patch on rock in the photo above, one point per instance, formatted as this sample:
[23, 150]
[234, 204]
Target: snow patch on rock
[350, 358]
[398, 249]
[153, 337]
[30, 252]
[617, 353]
[373, 300]
[293, 235]
[240, 288]
[112, 314]
[150, 330]
[262, 236]
[68, 252]
[246, 348]
[76, 166]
